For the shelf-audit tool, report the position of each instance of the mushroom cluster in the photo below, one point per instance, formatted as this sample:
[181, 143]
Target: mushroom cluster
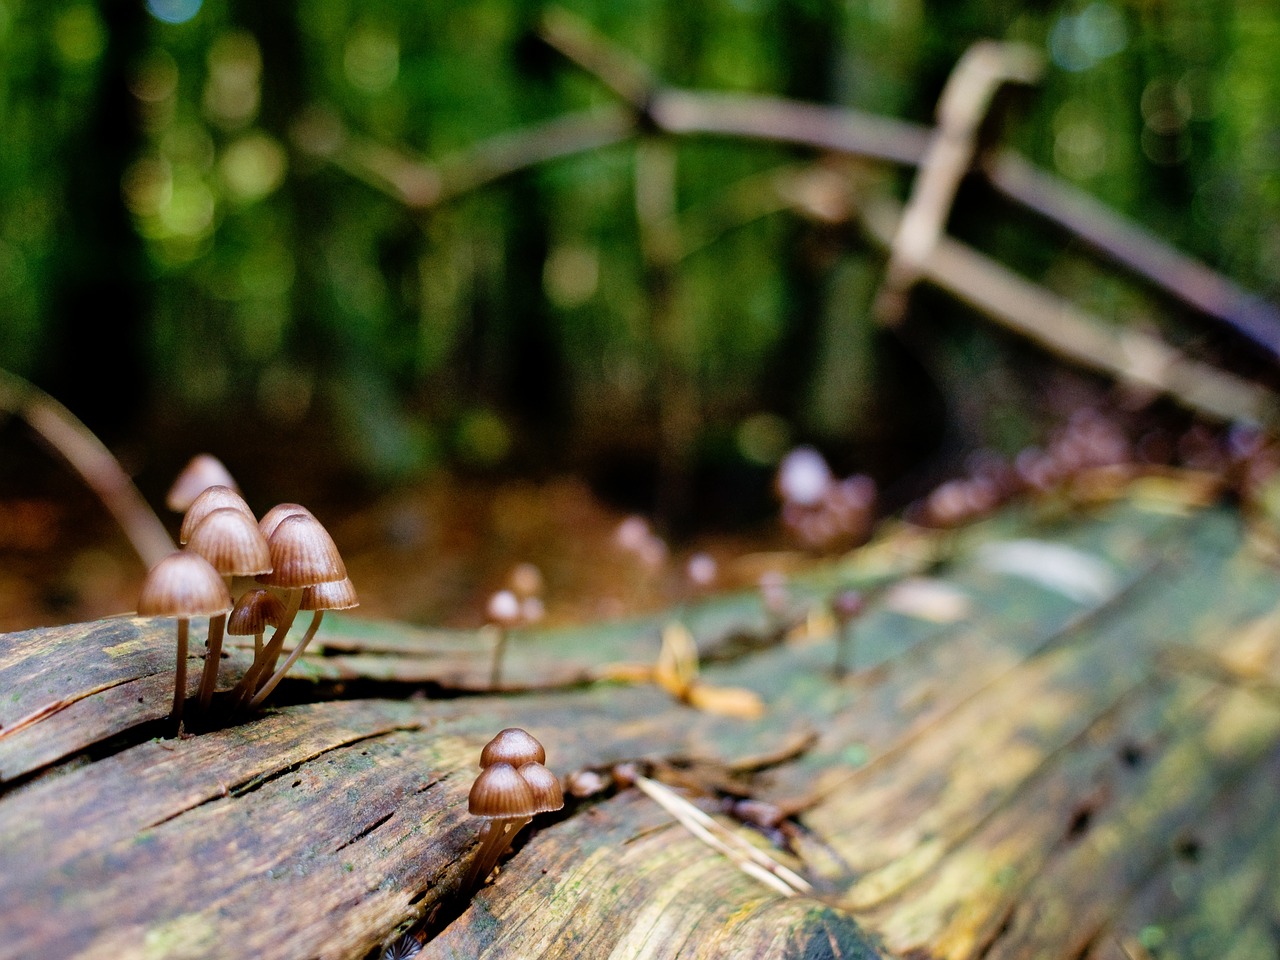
[288, 550]
[820, 510]
[512, 788]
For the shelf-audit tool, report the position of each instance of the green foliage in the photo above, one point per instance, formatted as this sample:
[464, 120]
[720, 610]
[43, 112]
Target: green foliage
[283, 285]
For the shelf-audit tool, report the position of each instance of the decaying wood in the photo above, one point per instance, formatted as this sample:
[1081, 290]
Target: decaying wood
[1035, 771]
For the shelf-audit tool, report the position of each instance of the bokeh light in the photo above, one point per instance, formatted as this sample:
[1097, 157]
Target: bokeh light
[252, 167]
[232, 90]
[371, 59]
[79, 35]
[1080, 41]
[174, 11]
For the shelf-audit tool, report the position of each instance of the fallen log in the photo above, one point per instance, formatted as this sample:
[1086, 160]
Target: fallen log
[1059, 738]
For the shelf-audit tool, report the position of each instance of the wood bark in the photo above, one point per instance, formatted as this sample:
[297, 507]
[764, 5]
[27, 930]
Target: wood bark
[1060, 738]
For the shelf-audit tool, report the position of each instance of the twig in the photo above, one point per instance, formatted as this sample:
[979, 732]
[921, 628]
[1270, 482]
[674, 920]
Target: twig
[746, 857]
[1131, 246]
[574, 38]
[1077, 335]
[964, 103]
[423, 185]
[95, 464]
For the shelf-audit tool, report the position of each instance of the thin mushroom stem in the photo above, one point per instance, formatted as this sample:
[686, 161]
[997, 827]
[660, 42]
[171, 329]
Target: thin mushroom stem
[494, 842]
[249, 682]
[180, 677]
[212, 656]
[265, 690]
[499, 649]
[844, 649]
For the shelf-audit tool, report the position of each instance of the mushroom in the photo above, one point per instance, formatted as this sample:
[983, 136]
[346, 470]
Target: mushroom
[213, 498]
[232, 543]
[252, 614]
[334, 595]
[504, 611]
[183, 585]
[302, 555]
[502, 798]
[271, 519]
[203, 471]
[846, 606]
[512, 788]
[514, 746]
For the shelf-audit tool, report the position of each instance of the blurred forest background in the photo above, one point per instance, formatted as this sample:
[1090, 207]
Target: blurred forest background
[187, 263]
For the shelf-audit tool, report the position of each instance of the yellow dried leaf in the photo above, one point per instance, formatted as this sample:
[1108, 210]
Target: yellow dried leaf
[735, 702]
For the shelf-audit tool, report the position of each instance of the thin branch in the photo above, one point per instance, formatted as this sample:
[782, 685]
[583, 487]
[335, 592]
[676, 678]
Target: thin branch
[627, 76]
[746, 857]
[1133, 247]
[1077, 335]
[95, 464]
[965, 100]
[421, 184]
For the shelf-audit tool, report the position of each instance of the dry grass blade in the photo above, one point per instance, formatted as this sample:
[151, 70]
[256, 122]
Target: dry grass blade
[744, 856]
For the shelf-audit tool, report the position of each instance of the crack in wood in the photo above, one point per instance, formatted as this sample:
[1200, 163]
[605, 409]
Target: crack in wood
[258, 781]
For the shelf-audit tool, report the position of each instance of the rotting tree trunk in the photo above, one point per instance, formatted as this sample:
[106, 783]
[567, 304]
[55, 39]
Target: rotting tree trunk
[1064, 744]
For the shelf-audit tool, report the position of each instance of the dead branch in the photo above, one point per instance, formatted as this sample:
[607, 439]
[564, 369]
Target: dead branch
[97, 466]
[1131, 246]
[964, 103]
[1075, 334]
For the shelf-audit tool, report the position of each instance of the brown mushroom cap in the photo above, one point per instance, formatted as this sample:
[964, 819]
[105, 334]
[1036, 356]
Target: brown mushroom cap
[271, 519]
[231, 542]
[216, 497]
[254, 612]
[183, 585]
[302, 554]
[202, 472]
[500, 793]
[334, 595]
[514, 746]
[547, 795]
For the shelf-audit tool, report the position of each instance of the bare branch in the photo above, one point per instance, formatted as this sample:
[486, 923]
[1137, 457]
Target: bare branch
[1133, 247]
[965, 100]
[1075, 334]
[95, 464]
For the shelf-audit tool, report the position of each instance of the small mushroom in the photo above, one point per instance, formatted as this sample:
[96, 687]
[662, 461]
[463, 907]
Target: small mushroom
[514, 746]
[803, 477]
[846, 606]
[334, 595]
[183, 585]
[212, 498]
[502, 798]
[203, 471]
[302, 555]
[512, 788]
[232, 543]
[271, 519]
[504, 613]
[253, 613]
